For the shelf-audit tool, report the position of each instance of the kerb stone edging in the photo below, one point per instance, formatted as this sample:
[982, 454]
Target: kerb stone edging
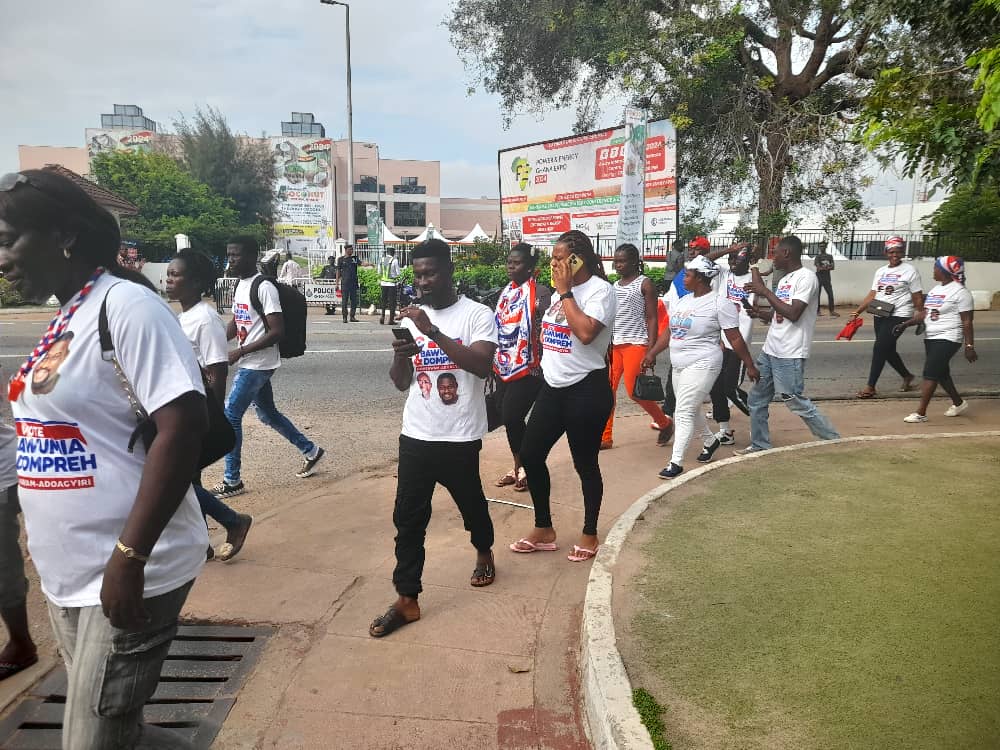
[611, 719]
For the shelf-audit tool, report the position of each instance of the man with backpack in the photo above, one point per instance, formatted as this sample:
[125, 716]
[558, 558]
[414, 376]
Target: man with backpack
[260, 325]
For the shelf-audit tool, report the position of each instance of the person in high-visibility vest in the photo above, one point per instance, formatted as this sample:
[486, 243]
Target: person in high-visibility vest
[388, 278]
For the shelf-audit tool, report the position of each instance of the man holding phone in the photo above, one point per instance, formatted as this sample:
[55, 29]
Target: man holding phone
[449, 340]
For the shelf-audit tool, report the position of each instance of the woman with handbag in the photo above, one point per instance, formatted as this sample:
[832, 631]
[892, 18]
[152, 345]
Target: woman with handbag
[896, 295]
[576, 397]
[634, 333]
[191, 275]
[516, 364]
[697, 322]
[947, 315]
[112, 522]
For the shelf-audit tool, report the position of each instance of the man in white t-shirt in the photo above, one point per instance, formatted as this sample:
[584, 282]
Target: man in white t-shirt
[782, 363]
[450, 340]
[256, 358]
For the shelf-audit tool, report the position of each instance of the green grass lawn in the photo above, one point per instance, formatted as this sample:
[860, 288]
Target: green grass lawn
[846, 597]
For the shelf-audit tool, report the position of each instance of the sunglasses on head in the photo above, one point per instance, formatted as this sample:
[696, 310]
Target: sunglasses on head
[11, 180]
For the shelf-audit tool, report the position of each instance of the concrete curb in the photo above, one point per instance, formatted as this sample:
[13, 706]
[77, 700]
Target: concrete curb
[610, 717]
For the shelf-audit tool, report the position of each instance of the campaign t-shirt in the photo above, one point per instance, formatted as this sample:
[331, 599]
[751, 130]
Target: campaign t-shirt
[565, 359]
[896, 287]
[943, 304]
[696, 325]
[206, 333]
[77, 480]
[447, 403]
[731, 289]
[250, 325]
[787, 339]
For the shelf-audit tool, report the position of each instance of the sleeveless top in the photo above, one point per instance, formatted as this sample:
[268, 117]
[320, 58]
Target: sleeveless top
[630, 315]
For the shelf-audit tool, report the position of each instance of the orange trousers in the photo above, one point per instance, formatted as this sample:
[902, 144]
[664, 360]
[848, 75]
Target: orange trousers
[626, 361]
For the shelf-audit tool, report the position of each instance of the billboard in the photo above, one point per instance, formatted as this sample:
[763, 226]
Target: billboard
[575, 183]
[99, 141]
[304, 192]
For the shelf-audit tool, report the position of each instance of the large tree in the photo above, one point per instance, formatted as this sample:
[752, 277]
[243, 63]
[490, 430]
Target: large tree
[170, 202]
[760, 90]
[234, 165]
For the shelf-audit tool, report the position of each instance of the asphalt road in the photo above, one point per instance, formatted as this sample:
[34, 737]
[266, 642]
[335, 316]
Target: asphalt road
[340, 395]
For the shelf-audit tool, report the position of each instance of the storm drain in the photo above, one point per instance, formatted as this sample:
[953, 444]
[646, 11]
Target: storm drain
[201, 676]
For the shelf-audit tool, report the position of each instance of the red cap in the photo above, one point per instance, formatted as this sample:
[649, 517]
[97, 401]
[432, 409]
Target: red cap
[700, 243]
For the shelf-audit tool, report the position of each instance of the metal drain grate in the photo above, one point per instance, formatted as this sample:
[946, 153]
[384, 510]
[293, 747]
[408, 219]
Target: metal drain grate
[201, 676]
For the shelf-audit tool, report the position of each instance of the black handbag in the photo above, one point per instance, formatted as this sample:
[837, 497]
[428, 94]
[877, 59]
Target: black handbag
[217, 441]
[648, 387]
[881, 309]
[494, 401]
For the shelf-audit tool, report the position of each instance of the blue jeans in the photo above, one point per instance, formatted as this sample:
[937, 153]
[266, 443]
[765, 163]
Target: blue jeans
[254, 387]
[214, 507]
[786, 376]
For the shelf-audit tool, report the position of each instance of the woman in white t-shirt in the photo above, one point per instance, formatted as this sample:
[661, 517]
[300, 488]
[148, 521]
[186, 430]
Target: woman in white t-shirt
[899, 293]
[576, 397]
[697, 323]
[112, 522]
[189, 276]
[947, 315]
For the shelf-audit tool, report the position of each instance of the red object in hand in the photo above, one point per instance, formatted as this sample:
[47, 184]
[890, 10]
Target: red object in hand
[851, 328]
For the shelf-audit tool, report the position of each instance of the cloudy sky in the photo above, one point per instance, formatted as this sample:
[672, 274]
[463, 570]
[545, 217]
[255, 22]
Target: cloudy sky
[65, 62]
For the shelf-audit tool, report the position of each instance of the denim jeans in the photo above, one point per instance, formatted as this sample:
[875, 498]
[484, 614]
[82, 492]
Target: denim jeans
[254, 387]
[113, 672]
[786, 377]
[214, 507]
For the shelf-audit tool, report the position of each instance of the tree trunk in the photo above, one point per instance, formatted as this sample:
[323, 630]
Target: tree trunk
[772, 164]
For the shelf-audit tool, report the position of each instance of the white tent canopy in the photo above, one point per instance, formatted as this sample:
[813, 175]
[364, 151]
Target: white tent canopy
[478, 233]
[429, 233]
[388, 236]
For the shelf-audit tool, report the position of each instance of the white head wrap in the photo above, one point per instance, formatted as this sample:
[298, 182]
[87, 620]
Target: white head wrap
[704, 266]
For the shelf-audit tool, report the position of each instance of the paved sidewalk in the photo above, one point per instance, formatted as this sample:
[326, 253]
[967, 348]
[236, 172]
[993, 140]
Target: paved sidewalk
[484, 668]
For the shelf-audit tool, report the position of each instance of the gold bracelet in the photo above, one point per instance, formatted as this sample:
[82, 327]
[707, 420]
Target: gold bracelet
[130, 552]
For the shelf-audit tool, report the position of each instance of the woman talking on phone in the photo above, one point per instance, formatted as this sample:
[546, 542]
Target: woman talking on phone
[576, 397]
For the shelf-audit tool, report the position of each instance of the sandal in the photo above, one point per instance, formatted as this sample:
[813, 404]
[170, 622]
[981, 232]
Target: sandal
[390, 622]
[908, 384]
[484, 574]
[9, 669]
[582, 554]
[230, 549]
[866, 393]
[507, 479]
[521, 485]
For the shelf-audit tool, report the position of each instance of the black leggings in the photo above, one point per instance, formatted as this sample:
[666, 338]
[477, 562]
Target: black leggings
[884, 350]
[515, 403]
[727, 387]
[580, 410]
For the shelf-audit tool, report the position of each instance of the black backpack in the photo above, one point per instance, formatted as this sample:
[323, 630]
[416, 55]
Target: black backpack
[293, 310]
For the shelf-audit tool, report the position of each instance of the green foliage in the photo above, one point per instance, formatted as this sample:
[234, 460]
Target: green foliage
[232, 165]
[650, 711]
[371, 290]
[968, 209]
[483, 252]
[9, 297]
[170, 202]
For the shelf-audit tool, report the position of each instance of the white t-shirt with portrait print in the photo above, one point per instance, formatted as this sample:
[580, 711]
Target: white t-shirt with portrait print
[206, 332]
[77, 480]
[944, 305]
[696, 325]
[446, 403]
[250, 325]
[787, 339]
[565, 359]
[896, 286]
[731, 289]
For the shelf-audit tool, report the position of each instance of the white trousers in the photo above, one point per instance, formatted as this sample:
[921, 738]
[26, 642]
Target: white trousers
[691, 388]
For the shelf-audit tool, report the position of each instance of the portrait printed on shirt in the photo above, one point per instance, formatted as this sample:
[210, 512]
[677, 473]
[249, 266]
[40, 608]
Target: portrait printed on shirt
[45, 374]
[933, 303]
[435, 374]
[244, 320]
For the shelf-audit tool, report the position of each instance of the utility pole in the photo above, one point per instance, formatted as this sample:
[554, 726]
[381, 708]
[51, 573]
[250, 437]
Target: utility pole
[350, 125]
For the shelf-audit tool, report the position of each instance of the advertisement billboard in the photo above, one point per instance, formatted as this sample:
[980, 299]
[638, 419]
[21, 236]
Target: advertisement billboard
[551, 187]
[304, 192]
[99, 141]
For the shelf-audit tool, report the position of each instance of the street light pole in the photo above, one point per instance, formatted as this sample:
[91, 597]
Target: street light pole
[895, 195]
[350, 125]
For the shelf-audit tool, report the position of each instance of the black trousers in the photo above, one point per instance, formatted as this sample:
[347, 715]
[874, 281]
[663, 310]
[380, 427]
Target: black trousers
[350, 301]
[727, 387]
[884, 350]
[422, 466]
[517, 400]
[825, 282]
[581, 411]
[389, 301]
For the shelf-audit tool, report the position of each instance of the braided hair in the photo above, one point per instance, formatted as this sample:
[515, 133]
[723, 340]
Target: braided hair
[580, 245]
[633, 255]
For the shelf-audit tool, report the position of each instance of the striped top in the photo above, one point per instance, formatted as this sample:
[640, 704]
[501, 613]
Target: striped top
[630, 315]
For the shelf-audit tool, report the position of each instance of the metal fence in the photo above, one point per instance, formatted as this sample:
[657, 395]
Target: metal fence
[316, 292]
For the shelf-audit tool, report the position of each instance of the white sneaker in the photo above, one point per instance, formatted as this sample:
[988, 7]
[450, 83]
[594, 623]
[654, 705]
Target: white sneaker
[954, 411]
[726, 438]
[748, 450]
[915, 418]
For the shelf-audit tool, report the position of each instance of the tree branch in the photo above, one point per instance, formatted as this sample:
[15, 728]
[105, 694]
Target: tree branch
[758, 34]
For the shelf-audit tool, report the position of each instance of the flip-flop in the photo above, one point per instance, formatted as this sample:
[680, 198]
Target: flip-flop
[521, 485]
[9, 669]
[229, 550]
[533, 546]
[390, 622]
[582, 554]
[908, 386]
[866, 394]
[506, 479]
[484, 573]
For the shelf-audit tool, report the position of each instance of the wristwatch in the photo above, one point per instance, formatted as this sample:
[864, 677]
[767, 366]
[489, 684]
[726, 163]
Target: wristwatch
[568, 295]
[433, 332]
[130, 552]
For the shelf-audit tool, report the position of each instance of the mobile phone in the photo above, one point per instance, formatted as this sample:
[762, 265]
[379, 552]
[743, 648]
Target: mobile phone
[575, 264]
[403, 334]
